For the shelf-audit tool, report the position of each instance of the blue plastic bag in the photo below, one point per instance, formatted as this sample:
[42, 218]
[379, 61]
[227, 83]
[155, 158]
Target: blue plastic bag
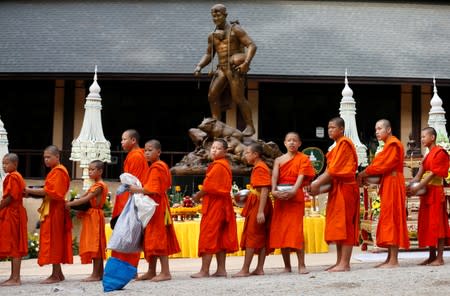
[117, 274]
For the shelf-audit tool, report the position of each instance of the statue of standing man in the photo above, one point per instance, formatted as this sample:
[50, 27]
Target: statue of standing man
[229, 41]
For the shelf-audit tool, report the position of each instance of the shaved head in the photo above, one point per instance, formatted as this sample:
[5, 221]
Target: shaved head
[338, 121]
[53, 149]
[100, 165]
[133, 134]
[155, 144]
[12, 157]
[386, 123]
[293, 133]
[256, 147]
[430, 130]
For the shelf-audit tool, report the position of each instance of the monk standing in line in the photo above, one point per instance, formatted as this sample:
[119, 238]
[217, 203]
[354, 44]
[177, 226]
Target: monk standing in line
[55, 237]
[257, 213]
[218, 231]
[160, 239]
[135, 164]
[392, 231]
[13, 219]
[433, 228]
[92, 237]
[342, 216]
[286, 231]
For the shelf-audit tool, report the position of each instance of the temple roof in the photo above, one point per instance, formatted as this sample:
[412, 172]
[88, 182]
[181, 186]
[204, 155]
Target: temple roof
[307, 39]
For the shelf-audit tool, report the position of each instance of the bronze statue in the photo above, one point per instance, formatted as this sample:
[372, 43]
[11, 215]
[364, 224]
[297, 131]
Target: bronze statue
[229, 41]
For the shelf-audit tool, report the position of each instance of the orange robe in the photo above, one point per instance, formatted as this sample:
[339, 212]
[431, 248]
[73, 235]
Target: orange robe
[136, 164]
[92, 237]
[13, 219]
[55, 239]
[286, 230]
[255, 235]
[392, 229]
[342, 216]
[433, 218]
[159, 237]
[218, 231]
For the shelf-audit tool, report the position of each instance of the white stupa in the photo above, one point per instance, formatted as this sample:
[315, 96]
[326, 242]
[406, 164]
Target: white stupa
[91, 143]
[347, 111]
[3, 151]
[437, 119]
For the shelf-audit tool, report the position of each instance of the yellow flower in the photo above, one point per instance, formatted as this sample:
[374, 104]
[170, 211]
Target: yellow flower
[200, 187]
[177, 188]
[248, 186]
[375, 204]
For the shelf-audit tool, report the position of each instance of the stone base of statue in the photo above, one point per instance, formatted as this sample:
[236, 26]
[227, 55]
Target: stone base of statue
[196, 162]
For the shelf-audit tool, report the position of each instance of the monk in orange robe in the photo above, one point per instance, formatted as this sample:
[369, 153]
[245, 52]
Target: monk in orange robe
[135, 164]
[392, 231]
[218, 231]
[342, 214]
[160, 239]
[433, 228]
[257, 213]
[13, 219]
[286, 231]
[92, 237]
[55, 238]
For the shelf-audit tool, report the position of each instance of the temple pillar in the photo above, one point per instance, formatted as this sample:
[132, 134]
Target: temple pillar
[58, 114]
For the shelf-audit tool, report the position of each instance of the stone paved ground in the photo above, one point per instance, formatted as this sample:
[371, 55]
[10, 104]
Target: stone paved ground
[409, 279]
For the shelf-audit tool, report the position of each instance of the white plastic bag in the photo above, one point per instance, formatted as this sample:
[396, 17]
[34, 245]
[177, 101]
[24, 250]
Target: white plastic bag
[128, 232]
[145, 205]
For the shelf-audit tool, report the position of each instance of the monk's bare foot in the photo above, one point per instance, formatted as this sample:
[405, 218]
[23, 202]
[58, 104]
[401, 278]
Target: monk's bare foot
[389, 265]
[219, 274]
[161, 277]
[248, 131]
[287, 270]
[257, 272]
[241, 274]
[302, 270]
[426, 262]
[199, 275]
[146, 276]
[437, 262]
[380, 264]
[339, 268]
[92, 278]
[53, 279]
[330, 267]
[11, 282]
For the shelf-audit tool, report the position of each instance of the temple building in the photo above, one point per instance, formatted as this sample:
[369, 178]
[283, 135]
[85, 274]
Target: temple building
[146, 52]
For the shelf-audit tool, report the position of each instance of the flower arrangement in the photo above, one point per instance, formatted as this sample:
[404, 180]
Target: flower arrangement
[176, 196]
[234, 189]
[375, 207]
[107, 207]
[73, 193]
[33, 245]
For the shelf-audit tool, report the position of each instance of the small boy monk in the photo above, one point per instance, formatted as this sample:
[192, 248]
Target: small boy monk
[257, 213]
[13, 219]
[392, 231]
[55, 236]
[218, 231]
[433, 229]
[342, 217]
[160, 239]
[286, 231]
[92, 237]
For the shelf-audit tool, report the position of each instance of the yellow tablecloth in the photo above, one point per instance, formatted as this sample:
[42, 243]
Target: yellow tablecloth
[188, 233]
